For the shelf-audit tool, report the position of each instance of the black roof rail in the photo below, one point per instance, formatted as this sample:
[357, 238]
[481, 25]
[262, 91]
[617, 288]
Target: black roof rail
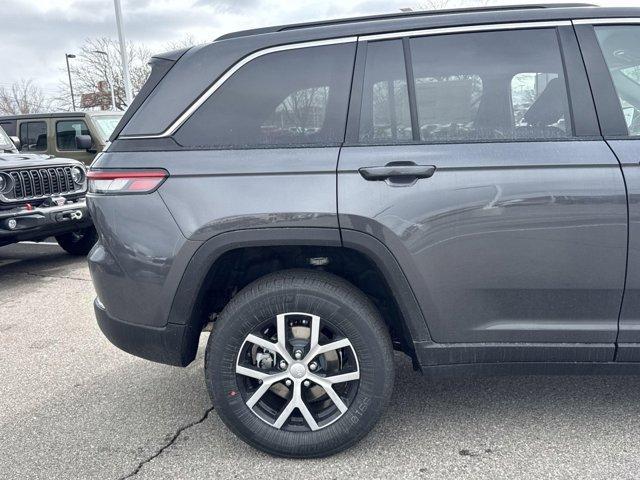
[368, 18]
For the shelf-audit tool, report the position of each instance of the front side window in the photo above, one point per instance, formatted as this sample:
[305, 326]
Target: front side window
[296, 97]
[506, 85]
[621, 48]
[67, 131]
[33, 136]
[385, 115]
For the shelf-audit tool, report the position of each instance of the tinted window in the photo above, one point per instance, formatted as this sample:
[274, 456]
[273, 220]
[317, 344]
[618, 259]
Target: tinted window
[66, 132]
[621, 48]
[33, 136]
[385, 115]
[479, 86]
[291, 98]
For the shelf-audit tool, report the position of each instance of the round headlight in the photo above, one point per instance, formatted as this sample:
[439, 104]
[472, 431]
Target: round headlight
[5, 183]
[78, 175]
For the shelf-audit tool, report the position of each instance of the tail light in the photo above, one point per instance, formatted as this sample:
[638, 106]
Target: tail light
[125, 181]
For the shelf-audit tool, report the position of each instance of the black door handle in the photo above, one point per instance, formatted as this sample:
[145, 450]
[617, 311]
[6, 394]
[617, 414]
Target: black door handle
[403, 171]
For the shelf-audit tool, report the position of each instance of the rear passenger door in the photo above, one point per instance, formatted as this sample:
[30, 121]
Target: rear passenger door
[489, 183]
[612, 55]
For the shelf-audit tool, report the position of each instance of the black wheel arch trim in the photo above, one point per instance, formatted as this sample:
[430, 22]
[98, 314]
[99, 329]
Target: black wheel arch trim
[184, 308]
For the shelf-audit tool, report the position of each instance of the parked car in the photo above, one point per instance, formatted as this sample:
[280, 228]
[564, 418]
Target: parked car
[43, 196]
[460, 186]
[77, 135]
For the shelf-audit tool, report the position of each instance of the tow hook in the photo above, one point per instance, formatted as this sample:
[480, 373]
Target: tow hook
[71, 215]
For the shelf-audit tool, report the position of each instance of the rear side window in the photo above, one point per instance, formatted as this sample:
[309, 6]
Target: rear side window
[292, 98]
[490, 86]
[385, 115]
[67, 131]
[33, 136]
[621, 48]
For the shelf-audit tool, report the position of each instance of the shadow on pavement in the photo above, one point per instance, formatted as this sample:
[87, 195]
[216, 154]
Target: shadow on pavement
[45, 259]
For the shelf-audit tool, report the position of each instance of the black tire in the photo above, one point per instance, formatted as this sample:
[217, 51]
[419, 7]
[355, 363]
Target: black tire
[339, 305]
[79, 242]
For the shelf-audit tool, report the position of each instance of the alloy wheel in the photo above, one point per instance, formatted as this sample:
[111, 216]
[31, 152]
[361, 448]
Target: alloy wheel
[297, 372]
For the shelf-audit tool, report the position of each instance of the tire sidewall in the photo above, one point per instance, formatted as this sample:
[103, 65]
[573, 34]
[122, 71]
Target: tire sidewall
[350, 315]
[81, 246]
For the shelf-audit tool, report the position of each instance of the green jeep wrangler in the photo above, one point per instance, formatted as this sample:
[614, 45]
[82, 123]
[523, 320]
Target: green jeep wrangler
[77, 135]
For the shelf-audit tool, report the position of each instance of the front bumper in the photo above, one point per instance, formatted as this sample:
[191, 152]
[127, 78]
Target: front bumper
[172, 344]
[21, 223]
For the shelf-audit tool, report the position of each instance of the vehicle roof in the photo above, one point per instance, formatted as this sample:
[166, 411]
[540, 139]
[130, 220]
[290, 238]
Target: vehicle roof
[498, 10]
[59, 115]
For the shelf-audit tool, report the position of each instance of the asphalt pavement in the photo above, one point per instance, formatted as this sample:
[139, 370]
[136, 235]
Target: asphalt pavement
[74, 406]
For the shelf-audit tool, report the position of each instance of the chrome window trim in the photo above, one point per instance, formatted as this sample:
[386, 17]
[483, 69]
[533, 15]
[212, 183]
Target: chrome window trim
[234, 68]
[606, 21]
[334, 41]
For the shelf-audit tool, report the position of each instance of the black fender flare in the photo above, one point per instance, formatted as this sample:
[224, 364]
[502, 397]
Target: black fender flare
[186, 300]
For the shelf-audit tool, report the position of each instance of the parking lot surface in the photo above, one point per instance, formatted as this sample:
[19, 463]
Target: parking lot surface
[74, 406]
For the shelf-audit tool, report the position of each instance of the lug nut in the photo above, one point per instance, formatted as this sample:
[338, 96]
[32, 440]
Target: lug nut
[287, 382]
[306, 383]
[313, 366]
[298, 354]
[283, 365]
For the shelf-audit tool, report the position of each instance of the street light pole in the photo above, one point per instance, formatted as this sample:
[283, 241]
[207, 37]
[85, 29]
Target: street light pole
[123, 53]
[109, 76]
[67, 56]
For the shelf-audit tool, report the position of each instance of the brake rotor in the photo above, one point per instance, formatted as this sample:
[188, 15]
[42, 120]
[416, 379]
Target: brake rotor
[329, 362]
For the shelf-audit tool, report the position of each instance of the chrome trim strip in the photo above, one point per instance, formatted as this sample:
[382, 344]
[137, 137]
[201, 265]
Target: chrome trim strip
[237, 66]
[606, 21]
[465, 29]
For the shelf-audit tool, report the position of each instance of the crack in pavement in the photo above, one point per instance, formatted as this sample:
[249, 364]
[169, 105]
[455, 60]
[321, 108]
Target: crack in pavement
[63, 277]
[171, 442]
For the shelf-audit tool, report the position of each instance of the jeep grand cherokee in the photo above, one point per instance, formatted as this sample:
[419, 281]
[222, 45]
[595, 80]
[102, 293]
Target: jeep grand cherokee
[461, 186]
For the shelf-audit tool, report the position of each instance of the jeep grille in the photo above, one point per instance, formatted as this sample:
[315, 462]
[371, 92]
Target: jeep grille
[36, 183]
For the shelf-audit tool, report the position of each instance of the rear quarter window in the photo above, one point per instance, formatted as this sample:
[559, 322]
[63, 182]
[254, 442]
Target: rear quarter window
[284, 99]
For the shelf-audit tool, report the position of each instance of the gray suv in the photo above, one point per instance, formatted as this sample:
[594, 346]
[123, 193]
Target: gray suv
[463, 187]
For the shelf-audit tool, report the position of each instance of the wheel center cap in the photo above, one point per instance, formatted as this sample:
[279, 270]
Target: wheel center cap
[298, 370]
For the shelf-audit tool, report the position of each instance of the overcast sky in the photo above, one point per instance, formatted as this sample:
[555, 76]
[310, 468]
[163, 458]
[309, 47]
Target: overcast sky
[37, 33]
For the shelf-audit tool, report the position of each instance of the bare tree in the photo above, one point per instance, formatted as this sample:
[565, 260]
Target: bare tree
[23, 96]
[186, 42]
[92, 73]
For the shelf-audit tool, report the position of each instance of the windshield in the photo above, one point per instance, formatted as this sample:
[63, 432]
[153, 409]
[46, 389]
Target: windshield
[107, 124]
[5, 141]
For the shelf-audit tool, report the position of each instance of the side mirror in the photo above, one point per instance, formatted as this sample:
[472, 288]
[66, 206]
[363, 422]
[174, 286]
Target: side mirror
[84, 142]
[16, 141]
